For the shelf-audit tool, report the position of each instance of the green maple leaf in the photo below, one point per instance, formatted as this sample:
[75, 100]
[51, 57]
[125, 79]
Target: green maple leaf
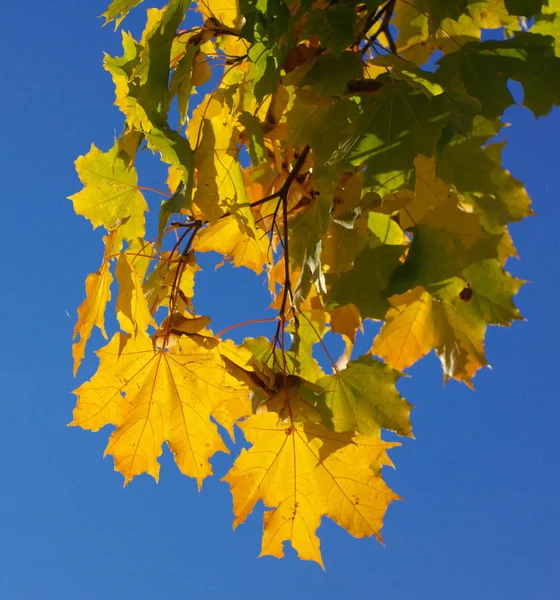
[342, 243]
[362, 397]
[496, 195]
[328, 126]
[330, 74]
[118, 9]
[175, 150]
[486, 67]
[335, 27]
[437, 255]
[365, 285]
[305, 336]
[493, 291]
[524, 8]
[153, 71]
[394, 127]
[181, 84]
[254, 130]
[438, 10]
[359, 136]
[444, 9]
[307, 230]
[548, 22]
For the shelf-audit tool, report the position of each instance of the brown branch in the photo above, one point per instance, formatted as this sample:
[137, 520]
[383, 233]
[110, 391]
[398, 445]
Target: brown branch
[283, 191]
[373, 18]
[287, 291]
[151, 189]
[175, 286]
[384, 14]
[244, 323]
[193, 227]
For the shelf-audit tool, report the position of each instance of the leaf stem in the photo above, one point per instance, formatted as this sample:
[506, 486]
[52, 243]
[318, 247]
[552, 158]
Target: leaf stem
[151, 189]
[243, 323]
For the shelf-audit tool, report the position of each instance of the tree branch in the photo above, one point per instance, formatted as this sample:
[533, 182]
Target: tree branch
[287, 292]
[384, 14]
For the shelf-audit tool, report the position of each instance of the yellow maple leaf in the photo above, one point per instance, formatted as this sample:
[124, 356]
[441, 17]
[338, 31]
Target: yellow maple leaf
[437, 205]
[91, 311]
[173, 276]
[429, 192]
[225, 11]
[201, 69]
[220, 186]
[119, 68]
[346, 321]
[133, 312]
[419, 35]
[306, 471]
[417, 324]
[154, 396]
[110, 195]
[229, 237]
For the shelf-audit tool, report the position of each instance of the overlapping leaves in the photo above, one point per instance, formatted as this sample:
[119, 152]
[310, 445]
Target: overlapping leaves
[339, 156]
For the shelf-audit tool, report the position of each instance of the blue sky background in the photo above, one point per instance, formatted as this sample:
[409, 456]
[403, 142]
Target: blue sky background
[481, 480]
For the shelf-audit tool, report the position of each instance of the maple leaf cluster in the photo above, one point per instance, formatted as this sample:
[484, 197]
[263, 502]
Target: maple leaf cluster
[373, 191]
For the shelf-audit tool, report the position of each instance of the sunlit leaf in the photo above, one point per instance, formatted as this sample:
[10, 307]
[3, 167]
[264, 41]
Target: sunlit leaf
[365, 285]
[133, 312]
[418, 324]
[92, 310]
[110, 196]
[154, 396]
[349, 154]
[362, 397]
[303, 472]
[118, 9]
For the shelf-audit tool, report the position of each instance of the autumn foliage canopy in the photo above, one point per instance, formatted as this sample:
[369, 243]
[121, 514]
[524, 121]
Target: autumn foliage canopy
[344, 151]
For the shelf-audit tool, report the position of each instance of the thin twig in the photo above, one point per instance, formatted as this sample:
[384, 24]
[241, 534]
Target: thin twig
[287, 292]
[385, 14]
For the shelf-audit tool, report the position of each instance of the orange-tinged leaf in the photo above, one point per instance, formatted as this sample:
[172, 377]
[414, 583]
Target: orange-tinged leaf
[201, 69]
[154, 396]
[346, 320]
[304, 472]
[110, 195]
[91, 311]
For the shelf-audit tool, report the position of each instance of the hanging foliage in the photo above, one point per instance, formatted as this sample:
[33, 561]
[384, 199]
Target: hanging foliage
[344, 152]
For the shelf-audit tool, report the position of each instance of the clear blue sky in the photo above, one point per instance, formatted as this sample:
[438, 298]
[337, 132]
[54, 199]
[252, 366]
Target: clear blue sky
[481, 480]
